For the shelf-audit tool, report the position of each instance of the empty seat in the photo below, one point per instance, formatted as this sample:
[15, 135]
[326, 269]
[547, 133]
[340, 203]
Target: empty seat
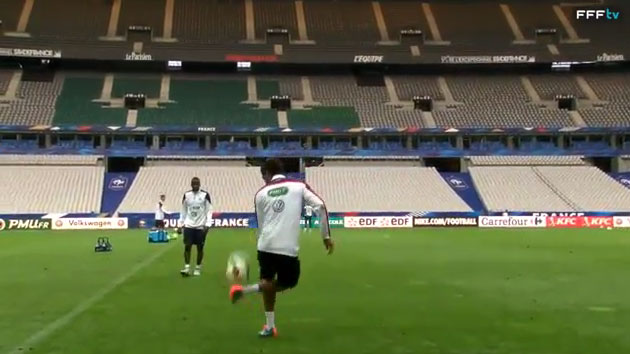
[232, 188]
[383, 189]
[51, 189]
[515, 188]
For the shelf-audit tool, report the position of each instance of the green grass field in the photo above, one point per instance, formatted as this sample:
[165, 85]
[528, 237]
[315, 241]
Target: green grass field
[383, 291]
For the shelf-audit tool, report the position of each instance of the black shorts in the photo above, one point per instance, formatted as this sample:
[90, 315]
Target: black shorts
[159, 224]
[286, 268]
[309, 221]
[194, 237]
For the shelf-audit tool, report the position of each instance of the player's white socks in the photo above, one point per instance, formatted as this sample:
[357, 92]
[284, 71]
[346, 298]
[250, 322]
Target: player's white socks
[253, 288]
[186, 266]
[198, 266]
[271, 321]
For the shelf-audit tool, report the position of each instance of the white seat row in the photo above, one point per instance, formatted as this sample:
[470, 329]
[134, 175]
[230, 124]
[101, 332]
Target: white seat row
[383, 189]
[526, 160]
[232, 188]
[49, 159]
[587, 187]
[50, 189]
[515, 188]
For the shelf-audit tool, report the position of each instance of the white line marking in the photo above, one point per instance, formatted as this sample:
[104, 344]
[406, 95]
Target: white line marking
[601, 309]
[83, 306]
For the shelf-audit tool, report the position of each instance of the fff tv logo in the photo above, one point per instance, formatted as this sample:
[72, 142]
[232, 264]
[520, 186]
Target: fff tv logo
[597, 14]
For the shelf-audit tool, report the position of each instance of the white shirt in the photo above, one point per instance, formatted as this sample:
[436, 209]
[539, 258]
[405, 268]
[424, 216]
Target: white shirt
[196, 210]
[279, 211]
[160, 211]
[308, 210]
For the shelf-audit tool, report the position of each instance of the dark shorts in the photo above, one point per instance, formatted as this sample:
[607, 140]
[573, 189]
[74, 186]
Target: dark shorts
[286, 268]
[194, 237]
[308, 221]
[159, 224]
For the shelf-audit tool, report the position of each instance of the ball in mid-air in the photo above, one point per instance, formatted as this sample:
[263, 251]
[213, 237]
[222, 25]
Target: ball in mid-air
[237, 267]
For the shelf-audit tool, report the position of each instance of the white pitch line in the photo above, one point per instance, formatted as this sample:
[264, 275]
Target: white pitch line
[82, 307]
[601, 309]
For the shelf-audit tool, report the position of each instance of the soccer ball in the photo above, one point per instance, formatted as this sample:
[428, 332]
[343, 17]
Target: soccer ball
[172, 235]
[237, 267]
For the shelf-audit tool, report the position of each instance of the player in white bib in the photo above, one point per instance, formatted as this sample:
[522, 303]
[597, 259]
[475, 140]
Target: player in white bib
[279, 212]
[196, 219]
[160, 213]
[308, 217]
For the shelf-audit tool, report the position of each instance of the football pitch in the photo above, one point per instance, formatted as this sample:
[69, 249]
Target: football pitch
[383, 291]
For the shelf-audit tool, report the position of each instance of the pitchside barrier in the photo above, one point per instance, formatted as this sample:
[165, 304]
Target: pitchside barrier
[336, 220]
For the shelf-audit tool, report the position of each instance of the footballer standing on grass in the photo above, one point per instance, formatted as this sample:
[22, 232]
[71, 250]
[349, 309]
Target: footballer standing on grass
[279, 212]
[160, 211]
[196, 219]
[308, 217]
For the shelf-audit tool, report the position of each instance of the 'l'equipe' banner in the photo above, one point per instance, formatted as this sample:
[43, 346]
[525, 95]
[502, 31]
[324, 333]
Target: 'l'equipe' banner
[377, 221]
[448, 222]
[90, 224]
[512, 221]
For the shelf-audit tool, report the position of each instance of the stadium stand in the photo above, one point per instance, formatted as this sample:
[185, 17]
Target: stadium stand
[400, 15]
[515, 188]
[466, 101]
[341, 21]
[86, 20]
[483, 21]
[390, 189]
[10, 13]
[142, 13]
[149, 86]
[5, 78]
[409, 86]
[368, 102]
[49, 160]
[534, 15]
[48, 189]
[275, 14]
[495, 101]
[201, 102]
[615, 89]
[232, 188]
[213, 21]
[526, 160]
[587, 187]
[34, 103]
[75, 104]
[549, 86]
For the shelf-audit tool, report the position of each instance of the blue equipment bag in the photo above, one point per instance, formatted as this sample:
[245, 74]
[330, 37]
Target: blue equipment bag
[158, 236]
